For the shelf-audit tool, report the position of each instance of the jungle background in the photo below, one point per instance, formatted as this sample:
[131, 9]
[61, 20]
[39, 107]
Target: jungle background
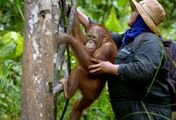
[112, 13]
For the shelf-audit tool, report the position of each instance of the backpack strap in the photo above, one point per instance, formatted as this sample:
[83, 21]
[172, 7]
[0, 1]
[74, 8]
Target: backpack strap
[139, 38]
[135, 45]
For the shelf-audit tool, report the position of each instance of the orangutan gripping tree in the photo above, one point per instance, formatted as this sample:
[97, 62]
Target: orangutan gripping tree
[97, 44]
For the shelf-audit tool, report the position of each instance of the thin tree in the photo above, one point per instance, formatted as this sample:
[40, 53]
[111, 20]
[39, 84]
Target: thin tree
[38, 67]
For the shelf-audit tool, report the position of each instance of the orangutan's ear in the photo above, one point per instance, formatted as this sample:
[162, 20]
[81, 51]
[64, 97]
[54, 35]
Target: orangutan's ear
[105, 38]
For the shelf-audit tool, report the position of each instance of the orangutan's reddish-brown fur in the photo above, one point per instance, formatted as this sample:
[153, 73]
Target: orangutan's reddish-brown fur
[99, 45]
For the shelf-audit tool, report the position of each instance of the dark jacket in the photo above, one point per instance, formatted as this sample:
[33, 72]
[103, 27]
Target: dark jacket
[138, 65]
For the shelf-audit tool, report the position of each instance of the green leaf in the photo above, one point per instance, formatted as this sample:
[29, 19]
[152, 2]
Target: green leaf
[11, 45]
[19, 46]
[112, 22]
[122, 3]
[97, 2]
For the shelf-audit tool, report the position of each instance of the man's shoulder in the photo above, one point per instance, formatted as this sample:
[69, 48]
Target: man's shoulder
[148, 36]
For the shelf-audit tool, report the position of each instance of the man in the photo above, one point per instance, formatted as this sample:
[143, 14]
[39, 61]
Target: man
[137, 84]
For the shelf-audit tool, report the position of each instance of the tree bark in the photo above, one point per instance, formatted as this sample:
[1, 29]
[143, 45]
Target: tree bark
[38, 67]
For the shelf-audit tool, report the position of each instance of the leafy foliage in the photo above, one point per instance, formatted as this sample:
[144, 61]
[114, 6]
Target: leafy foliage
[103, 12]
[10, 94]
[169, 6]
[100, 110]
[11, 16]
[11, 48]
[112, 19]
[100, 10]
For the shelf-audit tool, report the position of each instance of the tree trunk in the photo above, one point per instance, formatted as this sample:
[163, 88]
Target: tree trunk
[38, 67]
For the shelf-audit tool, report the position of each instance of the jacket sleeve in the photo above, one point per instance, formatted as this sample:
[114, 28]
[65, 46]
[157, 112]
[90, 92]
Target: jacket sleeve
[147, 57]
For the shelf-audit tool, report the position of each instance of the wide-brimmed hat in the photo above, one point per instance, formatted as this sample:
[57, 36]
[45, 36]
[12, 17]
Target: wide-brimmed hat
[151, 11]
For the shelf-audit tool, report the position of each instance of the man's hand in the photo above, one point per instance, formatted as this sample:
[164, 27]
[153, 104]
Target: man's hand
[103, 67]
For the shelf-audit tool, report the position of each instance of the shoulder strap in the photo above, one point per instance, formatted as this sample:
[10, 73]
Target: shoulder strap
[138, 39]
[135, 45]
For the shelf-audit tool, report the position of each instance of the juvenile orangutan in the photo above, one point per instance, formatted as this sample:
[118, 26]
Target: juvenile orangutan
[99, 45]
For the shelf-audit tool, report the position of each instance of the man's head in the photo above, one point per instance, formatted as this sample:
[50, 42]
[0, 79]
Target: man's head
[151, 11]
